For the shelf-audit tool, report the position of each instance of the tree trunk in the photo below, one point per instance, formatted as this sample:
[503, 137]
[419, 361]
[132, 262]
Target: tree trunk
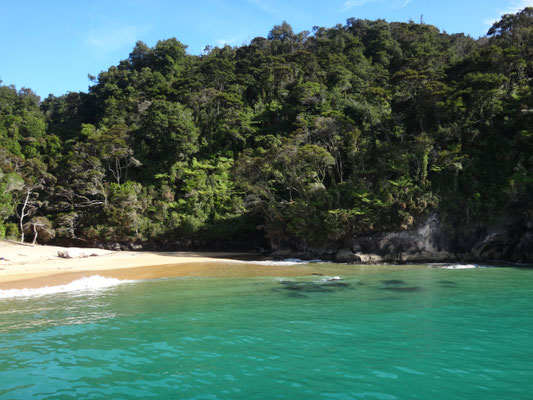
[22, 215]
[35, 233]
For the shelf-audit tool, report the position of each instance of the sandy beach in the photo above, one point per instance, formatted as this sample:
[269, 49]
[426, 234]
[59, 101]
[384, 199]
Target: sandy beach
[30, 266]
[33, 266]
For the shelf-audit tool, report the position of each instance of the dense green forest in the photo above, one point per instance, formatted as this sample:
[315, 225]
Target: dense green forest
[294, 140]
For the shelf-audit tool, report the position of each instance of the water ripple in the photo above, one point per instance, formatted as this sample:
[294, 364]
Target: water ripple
[234, 339]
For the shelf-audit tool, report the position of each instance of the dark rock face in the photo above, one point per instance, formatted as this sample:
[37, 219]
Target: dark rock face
[429, 242]
[432, 241]
[347, 256]
[511, 242]
[525, 246]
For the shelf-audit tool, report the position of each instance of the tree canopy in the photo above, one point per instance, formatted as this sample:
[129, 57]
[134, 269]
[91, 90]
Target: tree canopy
[295, 140]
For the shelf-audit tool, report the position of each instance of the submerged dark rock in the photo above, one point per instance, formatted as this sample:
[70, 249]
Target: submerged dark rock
[393, 282]
[447, 284]
[328, 285]
[296, 294]
[288, 282]
[397, 285]
[337, 284]
[403, 288]
[304, 286]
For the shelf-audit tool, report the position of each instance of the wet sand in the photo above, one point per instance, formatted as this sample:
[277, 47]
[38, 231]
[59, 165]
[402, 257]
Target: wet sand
[27, 266]
[213, 268]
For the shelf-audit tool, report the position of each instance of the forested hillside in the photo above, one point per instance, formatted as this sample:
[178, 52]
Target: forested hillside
[295, 140]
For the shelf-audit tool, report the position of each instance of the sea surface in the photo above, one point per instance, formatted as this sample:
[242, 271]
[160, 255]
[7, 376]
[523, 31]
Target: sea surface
[354, 332]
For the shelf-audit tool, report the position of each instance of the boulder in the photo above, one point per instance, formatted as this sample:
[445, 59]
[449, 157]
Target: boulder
[346, 256]
[73, 253]
[369, 258]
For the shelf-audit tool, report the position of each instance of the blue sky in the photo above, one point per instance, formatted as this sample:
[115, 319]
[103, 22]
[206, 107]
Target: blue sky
[50, 46]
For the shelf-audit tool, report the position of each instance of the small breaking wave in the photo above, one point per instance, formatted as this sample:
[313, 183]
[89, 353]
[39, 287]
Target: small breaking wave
[330, 279]
[286, 262]
[83, 285]
[458, 266]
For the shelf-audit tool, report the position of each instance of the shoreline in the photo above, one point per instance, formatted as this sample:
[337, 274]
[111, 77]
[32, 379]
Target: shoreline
[32, 266]
[26, 266]
[215, 268]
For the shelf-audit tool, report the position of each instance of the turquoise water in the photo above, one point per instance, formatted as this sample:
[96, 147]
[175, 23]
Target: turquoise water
[379, 333]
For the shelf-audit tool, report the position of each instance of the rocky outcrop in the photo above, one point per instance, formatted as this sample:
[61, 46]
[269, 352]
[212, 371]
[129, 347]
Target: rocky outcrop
[525, 246]
[434, 242]
[348, 256]
[429, 242]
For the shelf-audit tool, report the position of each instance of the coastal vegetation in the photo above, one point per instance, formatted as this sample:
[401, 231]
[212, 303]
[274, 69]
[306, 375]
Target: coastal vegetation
[292, 140]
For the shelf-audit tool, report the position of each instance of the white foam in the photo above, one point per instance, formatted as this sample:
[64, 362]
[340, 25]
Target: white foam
[460, 266]
[87, 284]
[286, 262]
[326, 279]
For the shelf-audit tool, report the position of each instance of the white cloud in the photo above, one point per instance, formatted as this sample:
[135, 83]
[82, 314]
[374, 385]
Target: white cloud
[349, 4]
[232, 41]
[264, 6]
[108, 40]
[517, 5]
[405, 2]
[513, 7]
[490, 21]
